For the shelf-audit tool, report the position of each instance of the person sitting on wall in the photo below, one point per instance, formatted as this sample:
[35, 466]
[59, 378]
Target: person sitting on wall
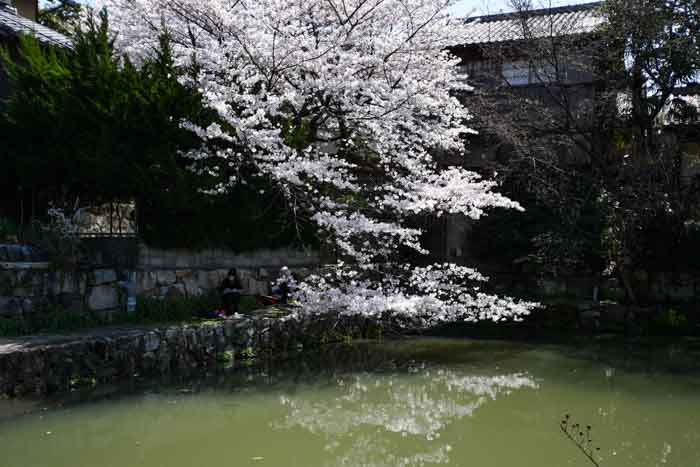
[230, 290]
[281, 288]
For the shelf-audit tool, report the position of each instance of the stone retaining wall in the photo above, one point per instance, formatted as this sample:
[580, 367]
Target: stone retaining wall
[39, 366]
[651, 288]
[26, 287]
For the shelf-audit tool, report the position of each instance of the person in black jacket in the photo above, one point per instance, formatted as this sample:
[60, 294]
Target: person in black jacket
[230, 290]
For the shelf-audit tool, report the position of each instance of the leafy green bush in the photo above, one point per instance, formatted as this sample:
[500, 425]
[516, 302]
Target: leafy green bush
[8, 229]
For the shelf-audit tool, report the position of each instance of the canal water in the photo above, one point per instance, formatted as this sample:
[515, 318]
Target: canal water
[420, 402]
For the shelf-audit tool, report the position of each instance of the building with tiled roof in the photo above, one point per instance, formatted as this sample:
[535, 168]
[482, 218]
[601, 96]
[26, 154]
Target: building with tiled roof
[498, 40]
[522, 66]
[17, 18]
[557, 21]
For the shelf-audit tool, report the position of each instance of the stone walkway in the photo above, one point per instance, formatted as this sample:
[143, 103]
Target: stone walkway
[23, 343]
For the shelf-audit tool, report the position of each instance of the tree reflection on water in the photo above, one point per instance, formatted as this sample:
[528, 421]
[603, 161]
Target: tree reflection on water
[395, 419]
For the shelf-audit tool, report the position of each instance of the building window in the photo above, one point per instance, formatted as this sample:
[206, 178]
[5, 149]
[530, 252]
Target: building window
[516, 73]
[463, 73]
[543, 73]
[522, 73]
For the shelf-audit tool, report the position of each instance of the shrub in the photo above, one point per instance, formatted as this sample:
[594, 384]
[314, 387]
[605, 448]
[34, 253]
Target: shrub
[8, 229]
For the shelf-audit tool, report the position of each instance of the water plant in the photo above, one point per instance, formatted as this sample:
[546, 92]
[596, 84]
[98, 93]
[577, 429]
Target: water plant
[581, 437]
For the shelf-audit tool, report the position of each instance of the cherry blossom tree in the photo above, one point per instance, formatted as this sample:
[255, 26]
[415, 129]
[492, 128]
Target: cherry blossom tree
[344, 104]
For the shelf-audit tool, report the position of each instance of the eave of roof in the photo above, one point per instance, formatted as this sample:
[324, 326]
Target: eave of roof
[558, 21]
[15, 25]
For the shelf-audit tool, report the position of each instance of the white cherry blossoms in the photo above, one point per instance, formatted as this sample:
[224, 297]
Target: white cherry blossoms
[342, 104]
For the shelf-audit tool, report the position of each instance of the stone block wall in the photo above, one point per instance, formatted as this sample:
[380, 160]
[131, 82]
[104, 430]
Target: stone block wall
[176, 283]
[31, 285]
[660, 287]
[181, 273]
[28, 284]
[26, 287]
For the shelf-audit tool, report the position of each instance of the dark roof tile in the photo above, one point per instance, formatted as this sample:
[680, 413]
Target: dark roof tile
[13, 24]
[558, 21]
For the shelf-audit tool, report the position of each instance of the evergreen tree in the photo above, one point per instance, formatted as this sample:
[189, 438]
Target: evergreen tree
[86, 124]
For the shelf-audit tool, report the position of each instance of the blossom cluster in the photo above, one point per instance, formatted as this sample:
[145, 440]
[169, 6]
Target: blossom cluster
[425, 296]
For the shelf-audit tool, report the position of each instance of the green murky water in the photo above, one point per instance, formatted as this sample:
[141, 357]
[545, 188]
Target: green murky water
[417, 403]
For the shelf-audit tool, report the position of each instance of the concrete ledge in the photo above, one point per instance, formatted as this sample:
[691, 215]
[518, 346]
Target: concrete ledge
[154, 258]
